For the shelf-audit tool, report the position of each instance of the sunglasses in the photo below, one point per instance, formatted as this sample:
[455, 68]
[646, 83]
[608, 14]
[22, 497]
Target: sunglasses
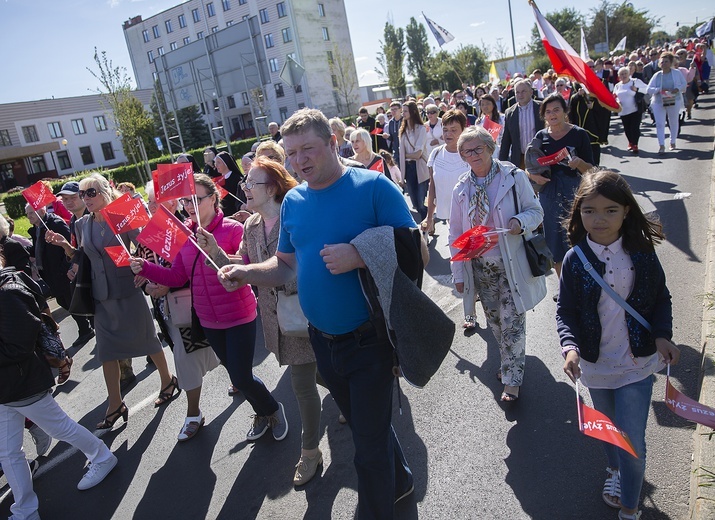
[89, 194]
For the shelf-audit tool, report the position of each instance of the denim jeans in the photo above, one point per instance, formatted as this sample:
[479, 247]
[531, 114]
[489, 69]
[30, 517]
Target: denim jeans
[628, 408]
[415, 189]
[358, 373]
[235, 347]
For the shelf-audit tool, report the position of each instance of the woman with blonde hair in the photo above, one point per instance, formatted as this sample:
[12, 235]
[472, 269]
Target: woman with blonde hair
[345, 148]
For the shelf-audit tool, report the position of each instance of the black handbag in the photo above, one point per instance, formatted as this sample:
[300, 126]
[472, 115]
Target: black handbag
[538, 254]
[641, 105]
[193, 337]
[82, 303]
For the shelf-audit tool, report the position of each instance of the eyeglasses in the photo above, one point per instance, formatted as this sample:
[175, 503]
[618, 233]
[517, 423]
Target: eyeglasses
[432, 112]
[90, 193]
[188, 202]
[468, 152]
[249, 185]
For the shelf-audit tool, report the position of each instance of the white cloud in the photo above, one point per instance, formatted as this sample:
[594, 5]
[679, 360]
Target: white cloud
[477, 24]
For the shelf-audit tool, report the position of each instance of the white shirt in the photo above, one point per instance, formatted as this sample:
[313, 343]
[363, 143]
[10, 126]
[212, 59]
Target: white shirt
[627, 97]
[616, 366]
[447, 168]
[527, 125]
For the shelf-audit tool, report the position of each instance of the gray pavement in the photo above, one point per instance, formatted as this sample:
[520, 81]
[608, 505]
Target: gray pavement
[472, 457]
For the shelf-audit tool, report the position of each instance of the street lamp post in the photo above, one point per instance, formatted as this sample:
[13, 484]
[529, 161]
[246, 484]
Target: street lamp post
[513, 41]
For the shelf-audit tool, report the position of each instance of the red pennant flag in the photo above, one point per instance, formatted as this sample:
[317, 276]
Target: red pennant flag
[221, 191]
[38, 195]
[554, 158]
[687, 408]
[164, 234]
[173, 181]
[566, 94]
[474, 242]
[597, 425]
[565, 60]
[119, 255]
[492, 127]
[123, 215]
[377, 131]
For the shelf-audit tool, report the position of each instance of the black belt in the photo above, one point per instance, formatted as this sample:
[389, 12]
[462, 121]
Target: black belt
[357, 333]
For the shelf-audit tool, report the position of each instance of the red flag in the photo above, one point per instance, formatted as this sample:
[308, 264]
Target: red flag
[492, 127]
[597, 425]
[173, 181]
[38, 195]
[377, 131]
[687, 408]
[124, 197]
[123, 215]
[221, 191]
[474, 242]
[119, 255]
[554, 158]
[565, 60]
[164, 234]
[566, 93]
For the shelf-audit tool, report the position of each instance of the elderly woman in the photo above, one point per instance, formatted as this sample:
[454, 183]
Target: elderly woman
[498, 195]
[190, 367]
[266, 185]
[362, 144]
[122, 320]
[228, 319]
[631, 114]
[558, 189]
[667, 86]
[434, 128]
[345, 149]
[413, 156]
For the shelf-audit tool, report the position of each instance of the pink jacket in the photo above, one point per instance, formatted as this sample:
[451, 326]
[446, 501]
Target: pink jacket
[215, 307]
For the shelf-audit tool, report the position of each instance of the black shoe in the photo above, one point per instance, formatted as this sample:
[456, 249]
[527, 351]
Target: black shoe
[83, 338]
[127, 382]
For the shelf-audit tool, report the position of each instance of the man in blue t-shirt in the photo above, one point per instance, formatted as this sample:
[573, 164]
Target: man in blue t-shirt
[319, 218]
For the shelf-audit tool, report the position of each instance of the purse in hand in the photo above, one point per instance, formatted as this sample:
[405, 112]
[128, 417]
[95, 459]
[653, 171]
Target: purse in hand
[538, 254]
[291, 319]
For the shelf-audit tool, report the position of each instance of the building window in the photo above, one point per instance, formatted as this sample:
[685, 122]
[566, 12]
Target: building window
[160, 50]
[231, 102]
[242, 2]
[63, 160]
[273, 63]
[5, 138]
[291, 55]
[172, 46]
[264, 15]
[100, 123]
[155, 76]
[200, 35]
[269, 40]
[279, 90]
[182, 21]
[150, 55]
[108, 151]
[187, 40]
[321, 10]
[301, 105]
[229, 23]
[155, 30]
[30, 134]
[226, 5]
[284, 113]
[78, 127]
[244, 97]
[86, 153]
[298, 88]
[196, 15]
[167, 24]
[210, 9]
[281, 7]
[55, 129]
[330, 56]
[145, 35]
[214, 29]
[287, 36]
[326, 35]
[38, 164]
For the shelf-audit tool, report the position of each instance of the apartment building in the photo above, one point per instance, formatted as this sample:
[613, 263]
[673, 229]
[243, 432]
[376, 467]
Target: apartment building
[57, 137]
[306, 32]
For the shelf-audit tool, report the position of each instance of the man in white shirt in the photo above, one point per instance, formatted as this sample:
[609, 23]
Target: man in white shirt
[521, 122]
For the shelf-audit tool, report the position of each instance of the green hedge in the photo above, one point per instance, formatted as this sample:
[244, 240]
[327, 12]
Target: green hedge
[15, 202]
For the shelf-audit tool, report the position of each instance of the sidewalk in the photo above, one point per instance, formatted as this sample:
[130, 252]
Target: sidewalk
[702, 483]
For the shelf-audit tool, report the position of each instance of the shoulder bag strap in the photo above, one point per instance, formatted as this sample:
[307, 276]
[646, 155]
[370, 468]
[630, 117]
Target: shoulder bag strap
[516, 200]
[609, 290]
[191, 282]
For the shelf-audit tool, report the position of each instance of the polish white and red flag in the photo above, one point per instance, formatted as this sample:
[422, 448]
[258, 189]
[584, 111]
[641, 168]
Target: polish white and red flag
[566, 60]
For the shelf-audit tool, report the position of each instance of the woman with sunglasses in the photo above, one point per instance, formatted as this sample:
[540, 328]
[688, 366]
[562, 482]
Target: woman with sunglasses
[228, 319]
[498, 195]
[122, 320]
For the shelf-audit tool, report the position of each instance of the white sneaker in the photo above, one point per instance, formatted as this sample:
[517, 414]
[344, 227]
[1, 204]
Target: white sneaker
[96, 473]
[41, 439]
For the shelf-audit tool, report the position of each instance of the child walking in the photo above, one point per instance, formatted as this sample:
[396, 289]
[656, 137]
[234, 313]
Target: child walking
[613, 354]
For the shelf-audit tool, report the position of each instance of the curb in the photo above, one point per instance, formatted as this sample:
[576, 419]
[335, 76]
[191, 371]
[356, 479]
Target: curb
[702, 484]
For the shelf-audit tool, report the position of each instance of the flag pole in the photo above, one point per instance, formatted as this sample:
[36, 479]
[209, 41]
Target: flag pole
[578, 408]
[191, 239]
[121, 242]
[39, 218]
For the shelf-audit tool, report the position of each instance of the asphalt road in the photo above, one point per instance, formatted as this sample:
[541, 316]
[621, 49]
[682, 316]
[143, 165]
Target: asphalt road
[472, 457]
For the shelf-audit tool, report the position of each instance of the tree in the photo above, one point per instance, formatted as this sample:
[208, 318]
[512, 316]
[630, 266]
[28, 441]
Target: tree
[659, 37]
[342, 71]
[568, 22]
[470, 64]
[623, 20]
[684, 31]
[391, 59]
[418, 55]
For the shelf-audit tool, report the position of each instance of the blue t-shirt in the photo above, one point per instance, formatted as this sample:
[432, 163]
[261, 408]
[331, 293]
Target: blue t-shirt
[312, 219]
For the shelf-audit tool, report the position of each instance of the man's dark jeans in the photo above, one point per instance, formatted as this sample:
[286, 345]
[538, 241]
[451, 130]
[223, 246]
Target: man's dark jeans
[358, 373]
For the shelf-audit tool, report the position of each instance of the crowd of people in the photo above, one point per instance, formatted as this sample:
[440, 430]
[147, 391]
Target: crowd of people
[466, 159]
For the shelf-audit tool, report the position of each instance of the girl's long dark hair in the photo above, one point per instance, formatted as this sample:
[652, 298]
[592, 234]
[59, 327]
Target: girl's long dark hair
[639, 233]
[415, 118]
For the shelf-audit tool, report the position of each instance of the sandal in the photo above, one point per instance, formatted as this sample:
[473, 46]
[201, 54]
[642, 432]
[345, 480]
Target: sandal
[64, 369]
[508, 397]
[113, 417]
[612, 489]
[165, 396]
[191, 427]
[232, 390]
[470, 323]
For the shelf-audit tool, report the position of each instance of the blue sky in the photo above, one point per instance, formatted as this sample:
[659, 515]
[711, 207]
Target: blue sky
[48, 44]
